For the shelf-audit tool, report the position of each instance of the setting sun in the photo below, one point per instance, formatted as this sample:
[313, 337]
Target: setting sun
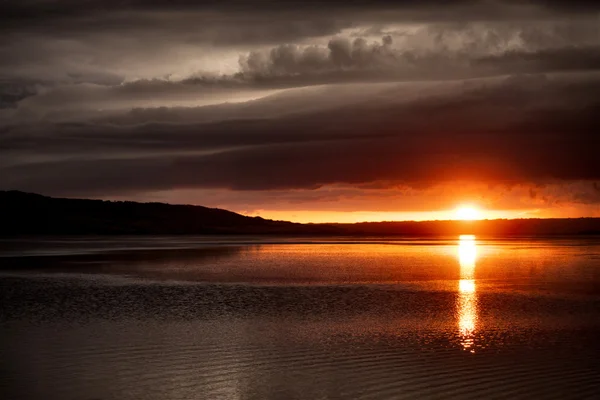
[467, 213]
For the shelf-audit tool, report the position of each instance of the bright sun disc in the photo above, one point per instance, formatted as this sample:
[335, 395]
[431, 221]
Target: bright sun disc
[467, 213]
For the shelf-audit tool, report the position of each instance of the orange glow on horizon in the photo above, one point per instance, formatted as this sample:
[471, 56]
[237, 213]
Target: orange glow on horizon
[310, 216]
[467, 213]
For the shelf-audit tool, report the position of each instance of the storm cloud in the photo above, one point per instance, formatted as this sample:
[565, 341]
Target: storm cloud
[129, 97]
[511, 129]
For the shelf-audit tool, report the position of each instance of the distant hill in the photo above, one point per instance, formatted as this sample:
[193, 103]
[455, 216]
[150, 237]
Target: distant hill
[482, 228]
[27, 213]
[32, 214]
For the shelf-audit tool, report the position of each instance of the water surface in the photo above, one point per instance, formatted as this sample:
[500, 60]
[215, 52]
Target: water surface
[272, 318]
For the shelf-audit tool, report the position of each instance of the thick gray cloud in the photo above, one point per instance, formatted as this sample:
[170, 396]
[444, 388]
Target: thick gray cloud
[432, 52]
[562, 59]
[125, 97]
[43, 10]
[13, 91]
[476, 53]
[516, 129]
[179, 57]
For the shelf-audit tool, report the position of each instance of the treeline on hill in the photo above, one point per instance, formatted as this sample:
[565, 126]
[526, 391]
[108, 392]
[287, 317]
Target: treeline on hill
[482, 228]
[32, 214]
[27, 213]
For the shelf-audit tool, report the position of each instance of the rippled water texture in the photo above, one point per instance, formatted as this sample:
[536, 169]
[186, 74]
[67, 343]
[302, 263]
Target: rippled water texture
[265, 318]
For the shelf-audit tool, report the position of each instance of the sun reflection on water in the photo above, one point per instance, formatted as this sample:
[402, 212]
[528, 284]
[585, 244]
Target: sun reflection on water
[467, 297]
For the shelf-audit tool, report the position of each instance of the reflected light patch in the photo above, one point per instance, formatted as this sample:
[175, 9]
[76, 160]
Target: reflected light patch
[468, 316]
[467, 319]
[467, 255]
[466, 286]
[466, 307]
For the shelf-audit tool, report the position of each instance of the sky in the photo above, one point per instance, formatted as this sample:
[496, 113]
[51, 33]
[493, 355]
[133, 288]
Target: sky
[310, 111]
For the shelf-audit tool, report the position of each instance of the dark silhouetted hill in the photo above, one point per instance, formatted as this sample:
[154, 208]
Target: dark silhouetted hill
[481, 228]
[33, 214]
[26, 213]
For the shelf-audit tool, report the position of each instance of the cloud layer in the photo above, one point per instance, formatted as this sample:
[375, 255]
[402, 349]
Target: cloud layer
[511, 129]
[271, 97]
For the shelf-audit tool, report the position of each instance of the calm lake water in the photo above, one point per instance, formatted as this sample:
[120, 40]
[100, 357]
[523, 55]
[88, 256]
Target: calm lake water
[266, 318]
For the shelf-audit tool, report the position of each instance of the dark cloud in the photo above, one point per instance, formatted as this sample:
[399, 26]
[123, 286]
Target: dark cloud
[37, 9]
[142, 93]
[522, 129]
[255, 22]
[175, 49]
[548, 60]
[131, 96]
[13, 91]
[449, 52]
[140, 68]
[361, 59]
[340, 54]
